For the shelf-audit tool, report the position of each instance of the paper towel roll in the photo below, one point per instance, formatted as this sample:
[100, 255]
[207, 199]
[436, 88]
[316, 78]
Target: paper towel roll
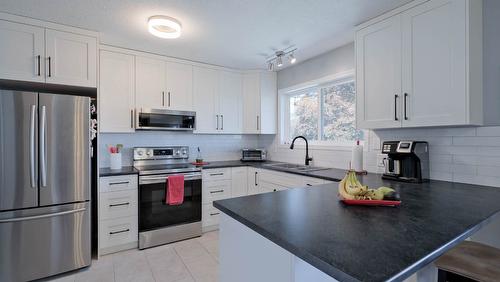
[357, 157]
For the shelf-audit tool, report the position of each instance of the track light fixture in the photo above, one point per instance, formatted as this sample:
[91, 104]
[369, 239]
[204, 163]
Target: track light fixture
[277, 58]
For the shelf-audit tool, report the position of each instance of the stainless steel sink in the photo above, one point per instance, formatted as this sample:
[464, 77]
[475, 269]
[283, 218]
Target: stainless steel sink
[295, 167]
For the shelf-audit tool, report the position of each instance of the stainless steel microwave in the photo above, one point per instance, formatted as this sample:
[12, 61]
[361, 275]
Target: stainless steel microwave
[162, 119]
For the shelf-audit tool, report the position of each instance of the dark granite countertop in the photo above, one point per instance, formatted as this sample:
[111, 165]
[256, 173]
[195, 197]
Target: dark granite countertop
[355, 243]
[106, 171]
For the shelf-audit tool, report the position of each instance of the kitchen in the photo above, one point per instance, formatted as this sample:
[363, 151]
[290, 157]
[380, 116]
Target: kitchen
[158, 105]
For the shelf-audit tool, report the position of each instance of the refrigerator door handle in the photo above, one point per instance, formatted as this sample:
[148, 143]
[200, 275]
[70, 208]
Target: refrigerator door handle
[32, 146]
[43, 150]
[41, 216]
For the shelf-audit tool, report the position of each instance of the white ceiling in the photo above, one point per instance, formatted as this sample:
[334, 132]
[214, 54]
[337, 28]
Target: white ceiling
[232, 33]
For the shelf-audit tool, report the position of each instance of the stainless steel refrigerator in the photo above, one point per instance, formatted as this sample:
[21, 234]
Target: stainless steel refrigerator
[44, 184]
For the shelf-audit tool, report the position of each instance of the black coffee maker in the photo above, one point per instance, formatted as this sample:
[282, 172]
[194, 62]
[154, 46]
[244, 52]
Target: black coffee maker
[406, 161]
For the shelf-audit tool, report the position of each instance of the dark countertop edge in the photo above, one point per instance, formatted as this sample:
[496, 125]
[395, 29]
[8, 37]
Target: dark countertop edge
[338, 274]
[437, 253]
[126, 170]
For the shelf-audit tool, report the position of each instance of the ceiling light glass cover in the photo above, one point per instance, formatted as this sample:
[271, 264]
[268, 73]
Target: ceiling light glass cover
[164, 27]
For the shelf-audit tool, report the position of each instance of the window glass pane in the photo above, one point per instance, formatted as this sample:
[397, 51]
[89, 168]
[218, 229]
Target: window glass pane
[338, 113]
[304, 114]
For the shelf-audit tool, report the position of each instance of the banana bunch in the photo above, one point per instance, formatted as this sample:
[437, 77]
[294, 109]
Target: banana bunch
[351, 189]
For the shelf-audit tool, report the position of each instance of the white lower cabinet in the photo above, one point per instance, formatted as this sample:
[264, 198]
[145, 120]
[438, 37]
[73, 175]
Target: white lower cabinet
[223, 183]
[118, 213]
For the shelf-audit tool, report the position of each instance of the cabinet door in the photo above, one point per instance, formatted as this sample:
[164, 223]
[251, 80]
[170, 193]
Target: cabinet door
[239, 182]
[253, 181]
[71, 58]
[116, 92]
[378, 75]
[150, 83]
[251, 103]
[230, 102]
[205, 83]
[179, 87]
[434, 64]
[268, 103]
[21, 52]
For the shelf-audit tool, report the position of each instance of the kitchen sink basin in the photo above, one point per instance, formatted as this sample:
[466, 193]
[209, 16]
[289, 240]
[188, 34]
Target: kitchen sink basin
[295, 167]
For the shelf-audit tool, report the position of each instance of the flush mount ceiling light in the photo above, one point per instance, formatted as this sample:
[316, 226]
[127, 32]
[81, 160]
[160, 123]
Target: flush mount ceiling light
[164, 27]
[277, 58]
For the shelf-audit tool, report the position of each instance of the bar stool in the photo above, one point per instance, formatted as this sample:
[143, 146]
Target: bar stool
[469, 261]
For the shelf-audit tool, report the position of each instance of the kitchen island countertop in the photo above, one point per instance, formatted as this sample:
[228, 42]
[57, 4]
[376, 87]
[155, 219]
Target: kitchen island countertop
[356, 243]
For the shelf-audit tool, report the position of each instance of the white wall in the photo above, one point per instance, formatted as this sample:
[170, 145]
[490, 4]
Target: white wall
[213, 147]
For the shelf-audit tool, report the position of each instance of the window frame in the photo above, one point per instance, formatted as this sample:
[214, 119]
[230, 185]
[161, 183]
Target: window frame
[284, 110]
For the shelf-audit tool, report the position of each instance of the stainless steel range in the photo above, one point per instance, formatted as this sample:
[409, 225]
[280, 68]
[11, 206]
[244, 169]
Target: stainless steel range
[160, 223]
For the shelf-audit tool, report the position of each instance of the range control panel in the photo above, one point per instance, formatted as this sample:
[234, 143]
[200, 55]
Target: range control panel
[161, 153]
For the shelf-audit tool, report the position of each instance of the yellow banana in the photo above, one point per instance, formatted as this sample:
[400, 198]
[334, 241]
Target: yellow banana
[342, 189]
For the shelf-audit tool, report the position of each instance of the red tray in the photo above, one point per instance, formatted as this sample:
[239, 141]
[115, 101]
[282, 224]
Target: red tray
[371, 202]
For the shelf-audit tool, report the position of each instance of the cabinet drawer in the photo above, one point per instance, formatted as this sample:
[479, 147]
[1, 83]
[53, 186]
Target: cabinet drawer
[210, 215]
[284, 179]
[118, 204]
[217, 174]
[216, 190]
[118, 183]
[116, 232]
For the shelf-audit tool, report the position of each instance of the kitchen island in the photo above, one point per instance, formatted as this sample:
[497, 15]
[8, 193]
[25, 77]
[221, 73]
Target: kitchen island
[306, 234]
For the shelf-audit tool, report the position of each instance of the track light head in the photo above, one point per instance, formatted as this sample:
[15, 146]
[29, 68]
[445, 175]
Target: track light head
[270, 66]
[292, 58]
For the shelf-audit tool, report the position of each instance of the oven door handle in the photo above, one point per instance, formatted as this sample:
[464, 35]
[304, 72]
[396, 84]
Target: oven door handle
[163, 178]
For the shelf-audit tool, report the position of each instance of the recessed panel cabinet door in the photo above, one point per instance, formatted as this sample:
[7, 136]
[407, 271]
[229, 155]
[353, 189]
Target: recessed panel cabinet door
[434, 64]
[21, 52]
[179, 87]
[71, 59]
[116, 94]
[251, 103]
[230, 102]
[378, 75]
[150, 83]
[205, 82]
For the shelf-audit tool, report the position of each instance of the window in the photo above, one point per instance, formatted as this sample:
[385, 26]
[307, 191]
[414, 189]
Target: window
[324, 114]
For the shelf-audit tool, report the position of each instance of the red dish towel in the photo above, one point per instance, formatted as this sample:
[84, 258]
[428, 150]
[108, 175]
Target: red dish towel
[174, 194]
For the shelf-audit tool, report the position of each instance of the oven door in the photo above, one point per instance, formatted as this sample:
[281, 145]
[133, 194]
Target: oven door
[159, 119]
[154, 213]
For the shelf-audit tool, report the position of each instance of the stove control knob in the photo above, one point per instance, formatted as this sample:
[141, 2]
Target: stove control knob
[148, 153]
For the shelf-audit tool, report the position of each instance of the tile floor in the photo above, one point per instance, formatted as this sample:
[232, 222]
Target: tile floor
[194, 260]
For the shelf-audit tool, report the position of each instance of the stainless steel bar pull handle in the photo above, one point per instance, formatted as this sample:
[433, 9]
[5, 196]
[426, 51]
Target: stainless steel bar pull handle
[215, 174]
[50, 65]
[257, 122]
[215, 213]
[396, 107]
[216, 191]
[43, 149]
[118, 205]
[163, 98]
[405, 101]
[41, 216]
[32, 146]
[217, 122]
[169, 98]
[131, 118]
[255, 179]
[117, 232]
[38, 64]
[222, 122]
[119, 183]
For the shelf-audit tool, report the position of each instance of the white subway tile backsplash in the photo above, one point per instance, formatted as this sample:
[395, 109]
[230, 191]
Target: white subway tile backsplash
[488, 131]
[476, 141]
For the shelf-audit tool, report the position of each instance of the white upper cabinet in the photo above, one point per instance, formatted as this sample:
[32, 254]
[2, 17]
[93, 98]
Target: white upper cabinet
[205, 88]
[31, 53]
[70, 58]
[378, 74]
[21, 52]
[260, 102]
[230, 105]
[150, 84]
[116, 92]
[430, 56]
[179, 86]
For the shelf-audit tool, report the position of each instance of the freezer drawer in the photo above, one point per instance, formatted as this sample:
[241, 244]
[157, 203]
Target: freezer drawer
[40, 242]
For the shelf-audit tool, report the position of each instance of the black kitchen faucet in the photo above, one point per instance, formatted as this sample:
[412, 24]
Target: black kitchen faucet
[308, 159]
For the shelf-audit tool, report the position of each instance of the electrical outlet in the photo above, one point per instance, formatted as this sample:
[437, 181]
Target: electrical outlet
[380, 160]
